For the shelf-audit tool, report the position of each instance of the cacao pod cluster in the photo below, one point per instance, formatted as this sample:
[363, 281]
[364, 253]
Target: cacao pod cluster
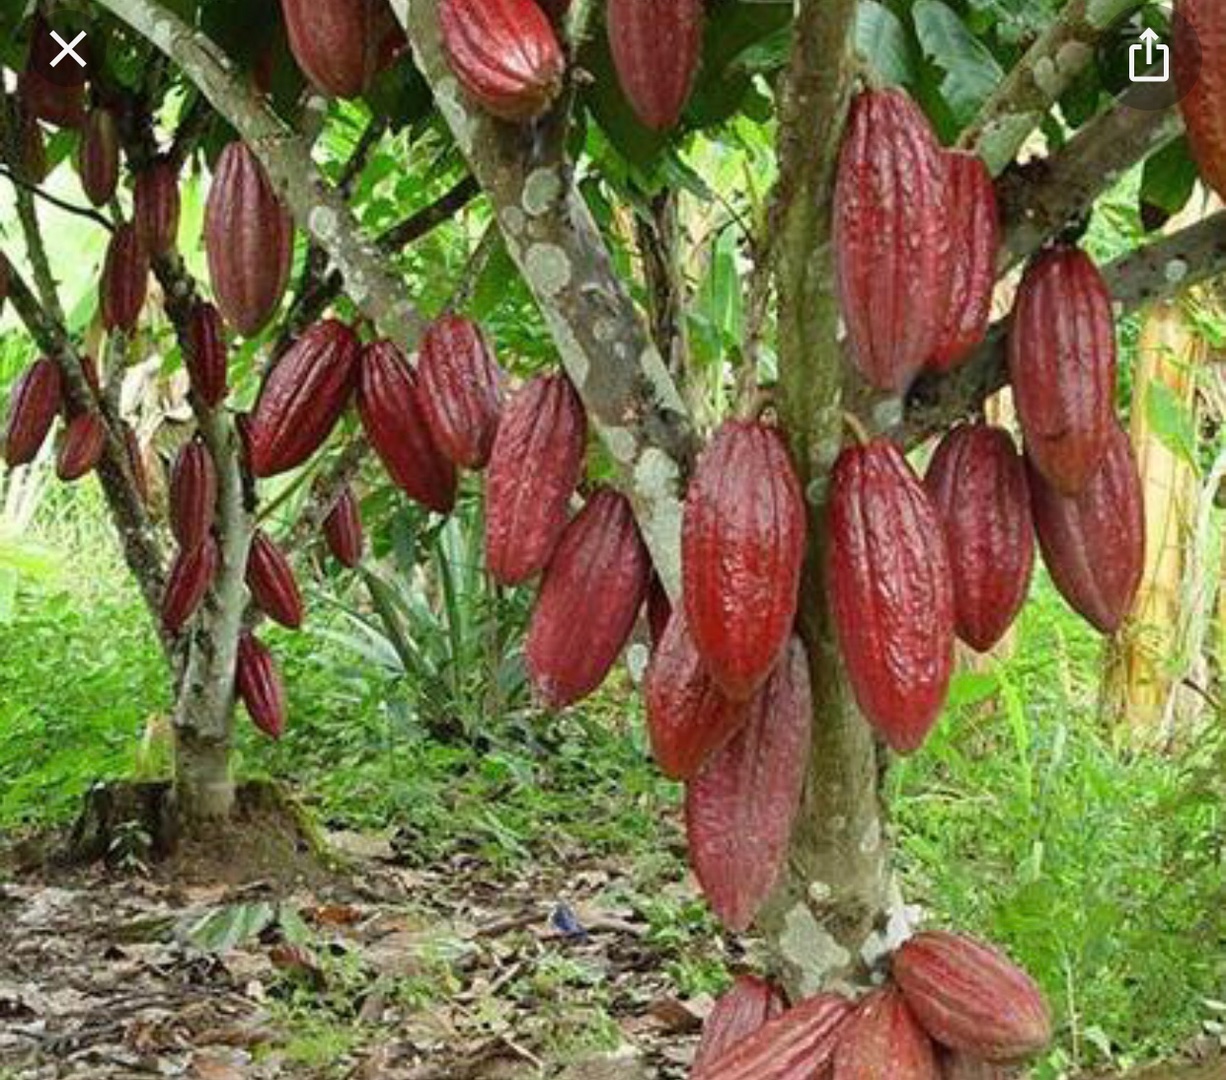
[341, 45]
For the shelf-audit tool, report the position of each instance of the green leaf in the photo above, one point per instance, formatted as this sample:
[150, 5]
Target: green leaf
[1172, 422]
[882, 40]
[222, 929]
[971, 71]
[1169, 178]
[971, 688]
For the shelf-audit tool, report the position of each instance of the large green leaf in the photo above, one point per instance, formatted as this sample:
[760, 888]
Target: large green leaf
[971, 71]
[883, 42]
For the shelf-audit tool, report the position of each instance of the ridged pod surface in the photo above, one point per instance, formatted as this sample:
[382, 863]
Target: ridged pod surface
[884, 1039]
[891, 238]
[1094, 543]
[81, 448]
[390, 405]
[249, 239]
[656, 47]
[303, 397]
[971, 998]
[1203, 87]
[597, 579]
[505, 54]
[343, 530]
[461, 390]
[535, 464]
[258, 685]
[125, 279]
[742, 545]
[798, 1044]
[891, 591]
[1062, 363]
[155, 207]
[748, 1004]
[956, 1066]
[193, 495]
[190, 577]
[336, 43]
[98, 156]
[34, 404]
[271, 581]
[740, 807]
[977, 481]
[205, 354]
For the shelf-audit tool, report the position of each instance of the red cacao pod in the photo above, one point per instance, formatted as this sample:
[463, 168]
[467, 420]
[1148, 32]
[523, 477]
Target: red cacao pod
[33, 164]
[1062, 366]
[740, 1012]
[125, 279]
[974, 223]
[193, 495]
[740, 807]
[1094, 543]
[337, 43]
[136, 464]
[504, 53]
[970, 997]
[82, 447]
[155, 207]
[977, 481]
[258, 685]
[956, 1066]
[249, 239]
[1201, 36]
[89, 370]
[343, 530]
[742, 545]
[461, 390]
[597, 579]
[535, 464]
[656, 47]
[390, 405]
[190, 577]
[98, 156]
[205, 354]
[271, 581]
[891, 238]
[33, 406]
[659, 610]
[884, 1039]
[303, 397]
[61, 106]
[891, 592]
[799, 1044]
[45, 51]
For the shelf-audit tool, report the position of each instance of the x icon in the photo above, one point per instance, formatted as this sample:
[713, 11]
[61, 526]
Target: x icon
[68, 48]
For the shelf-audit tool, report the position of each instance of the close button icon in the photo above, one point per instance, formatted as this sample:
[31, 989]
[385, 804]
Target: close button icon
[68, 48]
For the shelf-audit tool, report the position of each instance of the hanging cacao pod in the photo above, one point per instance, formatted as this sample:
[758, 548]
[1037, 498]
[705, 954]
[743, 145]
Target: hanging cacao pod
[190, 577]
[60, 106]
[740, 807]
[891, 238]
[461, 390]
[98, 156]
[258, 685]
[82, 447]
[535, 464]
[337, 43]
[390, 405]
[971, 998]
[799, 1044]
[136, 464]
[884, 1039]
[977, 482]
[193, 495]
[742, 545]
[303, 397]
[205, 354]
[33, 406]
[249, 239]
[343, 530]
[659, 610]
[1094, 543]
[1199, 47]
[891, 592]
[155, 207]
[125, 279]
[89, 371]
[32, 165]
[271, 581]
[656, 46]
[740, 1012]
[504, 53]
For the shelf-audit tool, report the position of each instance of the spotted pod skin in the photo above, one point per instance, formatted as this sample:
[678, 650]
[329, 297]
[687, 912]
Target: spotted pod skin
[740, 807]
[741, 1011]
[891, 592]
[461, 390]
[190, 578]
[34, 404]
[656, 47]
[343, 530]
[742, 545]
[257, 682]
[389, 403]
[974, 223]
[271, 581]
[337, 43]
[1062, 363]
[977, 482]
[1094, 543]
[504, 53]
[1203, 87]
[98, 156]
[597, 579]
[971, 998]
[883, 1039]
[303, 398]
[205, 354]
[193, 495]
[155, 207]
[249, 240]
[892, 240]
[125, 279]
[82, 447]
[798, 1044]
[534, 467]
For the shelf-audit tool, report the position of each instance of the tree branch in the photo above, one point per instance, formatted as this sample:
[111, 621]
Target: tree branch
[46, 196]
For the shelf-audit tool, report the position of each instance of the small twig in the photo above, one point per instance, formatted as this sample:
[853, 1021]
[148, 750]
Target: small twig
[46, 196]
[357, 160]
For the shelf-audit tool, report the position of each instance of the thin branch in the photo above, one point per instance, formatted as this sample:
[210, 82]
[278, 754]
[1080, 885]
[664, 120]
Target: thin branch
[54, 200]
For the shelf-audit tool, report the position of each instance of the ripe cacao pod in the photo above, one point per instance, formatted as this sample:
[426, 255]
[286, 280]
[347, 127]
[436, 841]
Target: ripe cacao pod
[136, 464]
[971, 998]
[193, 495]
[343, 530]
[125, 278]
[597, 579]
[155, 207]
[390, 405]
[974, 224]
[249, 239]
[1062, 366]
[98, 156]
[89, 370]
[60, 106]
[688, 716]
[461, 390]
[258, 685]
[1201, 36]
[956, 1066]
[337, 43]
[535, 464]
[205, 354]
[799, 1044]
[891, 591]
[977, 481]
[742, 545]
[190, 577]
[33, 166]
[740, 807]
[33, 406]
[1094, 543]
[659, 610]
[271, 581]
[656, 47]
[746, 1006]
[891, 238]
[303, 397]
[884, 1039]
[504, 53]
[82, 447]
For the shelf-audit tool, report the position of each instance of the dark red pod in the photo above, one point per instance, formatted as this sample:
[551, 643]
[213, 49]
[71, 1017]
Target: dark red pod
[33, 163]
[205, 354]
[659, 610]
[1199, 48]
[742, 545]
[597, 579]
[98, 156]
[977, 482]
[33, 406]
[883, 1039]
[259, 687]
[739, 1013]
[125, 279]
[155, 207]
[136, 464]
[535, 464]
[193, 495]
[190, 578]
[343, 530]
[798, 1044]
[272, 583]
[338, 44]
[61, 106]
[461, 390]
[656, 47]
[82, 447]
[891, 592]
